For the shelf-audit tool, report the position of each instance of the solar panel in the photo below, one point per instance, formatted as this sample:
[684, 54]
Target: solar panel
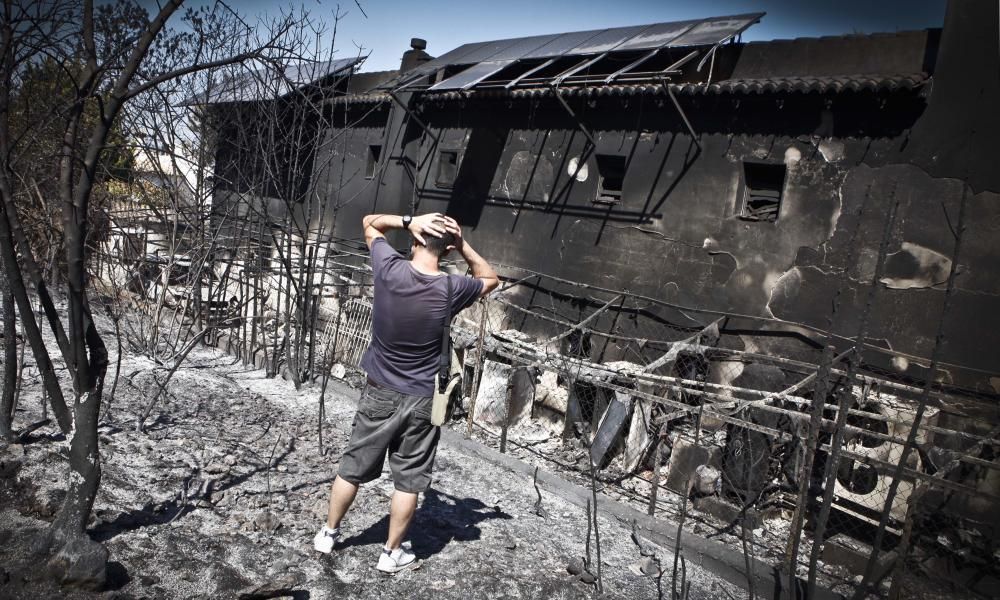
[699, 32]
[715, 31]
[246, 85]
[452, 57]
[657, 35]
[523, 47]
[472, 75]
[608, 39]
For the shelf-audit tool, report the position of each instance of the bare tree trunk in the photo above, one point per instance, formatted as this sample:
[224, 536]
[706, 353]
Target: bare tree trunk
[9, 361]
[31, 330]
[80, 559]
[9, 255]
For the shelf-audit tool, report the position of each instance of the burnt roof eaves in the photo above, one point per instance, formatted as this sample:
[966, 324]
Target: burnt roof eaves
[793, 85]
[351, 99]
[808, 85]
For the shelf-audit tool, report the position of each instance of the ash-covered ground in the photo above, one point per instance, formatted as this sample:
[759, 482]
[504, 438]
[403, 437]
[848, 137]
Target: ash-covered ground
[221, 494]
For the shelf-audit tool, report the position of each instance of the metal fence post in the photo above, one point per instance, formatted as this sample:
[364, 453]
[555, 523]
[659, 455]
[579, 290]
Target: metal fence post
[478, 371]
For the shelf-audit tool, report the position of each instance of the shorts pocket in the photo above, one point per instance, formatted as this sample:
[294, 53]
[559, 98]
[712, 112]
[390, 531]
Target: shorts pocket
[375, 407]
[422, 409]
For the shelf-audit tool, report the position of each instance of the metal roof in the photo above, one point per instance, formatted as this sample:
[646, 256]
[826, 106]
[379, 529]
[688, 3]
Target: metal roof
[702, 32]
[248, 85]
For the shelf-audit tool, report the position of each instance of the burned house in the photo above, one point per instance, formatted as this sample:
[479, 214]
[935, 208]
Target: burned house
[707, 216]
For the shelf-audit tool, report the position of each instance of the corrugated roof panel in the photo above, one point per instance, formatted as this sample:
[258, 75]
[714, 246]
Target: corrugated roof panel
[472, 75]
[714, 31]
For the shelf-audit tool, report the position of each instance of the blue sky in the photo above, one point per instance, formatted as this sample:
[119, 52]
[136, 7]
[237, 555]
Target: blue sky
[389, 25]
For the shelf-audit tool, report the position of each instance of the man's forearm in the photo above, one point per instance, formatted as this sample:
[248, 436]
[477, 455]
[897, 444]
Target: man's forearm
[480, 268]
[383, 223]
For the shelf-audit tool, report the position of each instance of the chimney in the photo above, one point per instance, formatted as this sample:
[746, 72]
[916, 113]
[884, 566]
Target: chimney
[415, 56]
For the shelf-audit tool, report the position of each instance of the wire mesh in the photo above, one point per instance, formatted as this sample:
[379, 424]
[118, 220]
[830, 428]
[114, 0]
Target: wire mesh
[765, 441]
[609, 382]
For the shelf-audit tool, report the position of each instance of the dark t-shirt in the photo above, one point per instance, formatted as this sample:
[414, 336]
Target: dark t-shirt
[407, 319]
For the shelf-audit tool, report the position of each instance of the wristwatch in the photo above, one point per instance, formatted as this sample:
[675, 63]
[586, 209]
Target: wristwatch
[407, 219]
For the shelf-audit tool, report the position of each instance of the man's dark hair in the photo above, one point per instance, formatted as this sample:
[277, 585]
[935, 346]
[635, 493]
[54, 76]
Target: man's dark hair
[438, 246]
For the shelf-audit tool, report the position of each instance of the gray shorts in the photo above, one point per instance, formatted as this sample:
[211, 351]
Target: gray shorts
[399, 424]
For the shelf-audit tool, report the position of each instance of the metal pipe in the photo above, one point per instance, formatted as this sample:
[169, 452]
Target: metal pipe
[680, 110]
[413, 116]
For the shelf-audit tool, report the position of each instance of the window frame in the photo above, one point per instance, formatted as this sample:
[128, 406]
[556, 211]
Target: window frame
[610, 162]
[373, 160]
[439, 178]
[751, 182]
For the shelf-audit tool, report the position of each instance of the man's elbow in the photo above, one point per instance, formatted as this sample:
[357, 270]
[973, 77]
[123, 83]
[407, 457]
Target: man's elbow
[490, 284]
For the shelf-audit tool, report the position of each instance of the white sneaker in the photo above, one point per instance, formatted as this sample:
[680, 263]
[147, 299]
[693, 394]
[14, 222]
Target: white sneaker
[325, 539]
[396, 560]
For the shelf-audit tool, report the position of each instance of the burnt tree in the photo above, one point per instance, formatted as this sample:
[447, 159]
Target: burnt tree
[121, 54]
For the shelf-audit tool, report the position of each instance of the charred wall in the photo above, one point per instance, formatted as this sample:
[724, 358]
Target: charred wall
[527, 178]
[529, 186]
[677, 232]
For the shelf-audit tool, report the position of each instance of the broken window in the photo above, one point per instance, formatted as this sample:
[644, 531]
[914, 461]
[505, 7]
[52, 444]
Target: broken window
[374, 154]
[762, 187]
[611, 171]
[447, 168]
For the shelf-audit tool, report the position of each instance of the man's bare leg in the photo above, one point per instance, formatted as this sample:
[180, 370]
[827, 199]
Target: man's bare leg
[342, 495]
[401, 509]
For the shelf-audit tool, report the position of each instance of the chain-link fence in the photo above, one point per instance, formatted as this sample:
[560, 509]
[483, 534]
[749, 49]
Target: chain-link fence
[824, 446]
[769, 435]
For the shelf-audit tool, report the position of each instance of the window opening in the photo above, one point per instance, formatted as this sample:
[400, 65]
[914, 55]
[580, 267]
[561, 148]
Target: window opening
[374, 155]
[447, 168]
[762, 189]
[611, 171]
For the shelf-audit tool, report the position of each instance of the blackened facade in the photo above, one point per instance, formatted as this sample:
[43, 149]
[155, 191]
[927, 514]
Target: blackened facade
[773, 209]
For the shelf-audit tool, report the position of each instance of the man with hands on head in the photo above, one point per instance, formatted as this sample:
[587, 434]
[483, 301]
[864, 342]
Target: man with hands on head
[411, 301]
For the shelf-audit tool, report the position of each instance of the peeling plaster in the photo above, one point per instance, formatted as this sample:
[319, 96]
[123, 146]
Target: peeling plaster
[835, 216]
[792, 156]
[770, 280]
[832, 150]
[571, 169]
[731, 268]
[915, 266]
[787, 285]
